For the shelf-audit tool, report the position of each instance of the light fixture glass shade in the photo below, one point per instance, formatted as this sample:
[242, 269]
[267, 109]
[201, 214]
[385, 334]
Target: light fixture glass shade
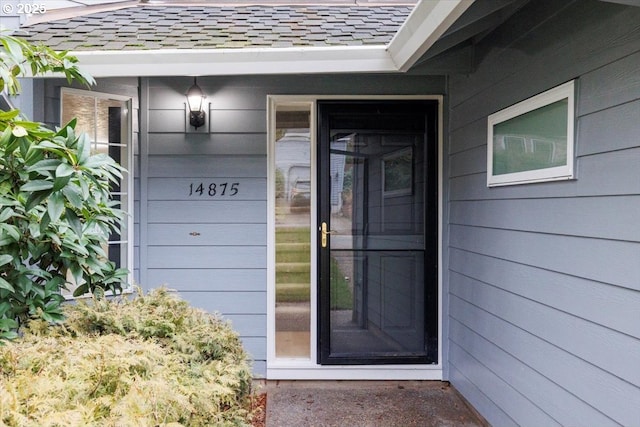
[195, 98]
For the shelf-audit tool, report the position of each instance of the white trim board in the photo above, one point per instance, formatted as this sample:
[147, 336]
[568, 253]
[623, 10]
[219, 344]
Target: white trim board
[426, 23]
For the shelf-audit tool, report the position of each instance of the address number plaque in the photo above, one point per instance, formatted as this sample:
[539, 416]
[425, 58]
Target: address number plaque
[214, 189]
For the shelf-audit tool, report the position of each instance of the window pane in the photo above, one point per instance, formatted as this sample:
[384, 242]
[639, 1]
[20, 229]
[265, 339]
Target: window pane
[80, 107]
[293, 230]
[105, 122]
[531, 141]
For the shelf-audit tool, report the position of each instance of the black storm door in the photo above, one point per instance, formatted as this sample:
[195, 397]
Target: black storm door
[377, 234]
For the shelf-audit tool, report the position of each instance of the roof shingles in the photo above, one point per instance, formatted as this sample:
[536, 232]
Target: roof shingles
[162, 27]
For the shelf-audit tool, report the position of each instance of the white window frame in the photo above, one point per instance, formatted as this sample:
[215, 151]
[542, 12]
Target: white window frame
[129, 185]
[564, 172]
[279, 368]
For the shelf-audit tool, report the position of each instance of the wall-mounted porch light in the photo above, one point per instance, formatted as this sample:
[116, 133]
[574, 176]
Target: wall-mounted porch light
[195, 99]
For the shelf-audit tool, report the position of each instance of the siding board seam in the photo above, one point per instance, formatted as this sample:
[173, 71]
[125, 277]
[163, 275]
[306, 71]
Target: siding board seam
[536, 337]
[541, 233]
[608, 107]
[469, 355]
[574, 354]
[544, 304]
[536, 267]
[506, 381]
[611, 150]
[478, 391]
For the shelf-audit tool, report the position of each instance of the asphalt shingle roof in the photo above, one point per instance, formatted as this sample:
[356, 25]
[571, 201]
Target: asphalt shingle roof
[223, 27]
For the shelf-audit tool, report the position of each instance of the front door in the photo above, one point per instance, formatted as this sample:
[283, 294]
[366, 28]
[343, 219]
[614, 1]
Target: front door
[377, 232]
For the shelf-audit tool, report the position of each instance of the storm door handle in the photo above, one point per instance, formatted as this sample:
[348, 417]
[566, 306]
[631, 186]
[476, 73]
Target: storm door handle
[324, 232]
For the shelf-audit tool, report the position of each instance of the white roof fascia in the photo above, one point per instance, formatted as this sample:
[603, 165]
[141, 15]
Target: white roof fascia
[427, 22]
[181, 62]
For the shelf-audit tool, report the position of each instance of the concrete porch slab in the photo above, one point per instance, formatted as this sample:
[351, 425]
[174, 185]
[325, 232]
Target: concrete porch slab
[367, 404]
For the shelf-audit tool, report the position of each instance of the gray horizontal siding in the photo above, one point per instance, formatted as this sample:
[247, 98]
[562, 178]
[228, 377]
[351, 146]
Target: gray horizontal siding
[199, 166]
[544, 279]
[577, 216]
[607, 261]
[200, 279]
[227, 212]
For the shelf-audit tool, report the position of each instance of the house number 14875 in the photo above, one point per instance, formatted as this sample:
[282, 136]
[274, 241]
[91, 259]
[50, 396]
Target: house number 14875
[214, 189]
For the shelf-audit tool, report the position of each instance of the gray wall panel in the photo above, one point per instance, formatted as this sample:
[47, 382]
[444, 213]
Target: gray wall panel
[520, 410]
[215, 144]
[607, 261]
[617, 308]
[545, 394]
[167, 121]
[617, 128]
[238, 121]
[227, 303]
[576, 216]
[189, 165]
[603, 391]
[544, 278]
[249, 325]
[208, 212]
[494, 415]
[194, 234]
[207, 257]
[209, 280]
[466, 162]
[575, 335]
[613, 85]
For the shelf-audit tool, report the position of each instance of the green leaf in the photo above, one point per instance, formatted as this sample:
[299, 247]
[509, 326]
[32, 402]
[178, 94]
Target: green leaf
[9, 115]
[37, 185]
[80, 250]
[64, 169]
[61, 182]
[84, 148]
[11, 231]
[9, 335]
[5, 214]
[74, 221]
[55, 206]
[45, 165]
[14, 48]
[81, 290]
[5, 259]
[72, 193]
[35, 199]
[52, 317]
[6, 285]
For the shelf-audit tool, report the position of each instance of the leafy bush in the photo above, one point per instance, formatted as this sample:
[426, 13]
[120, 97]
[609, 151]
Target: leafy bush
[148, 361]
[56, 209]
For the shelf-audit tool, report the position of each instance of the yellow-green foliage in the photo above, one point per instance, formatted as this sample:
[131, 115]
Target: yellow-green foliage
[148, 361]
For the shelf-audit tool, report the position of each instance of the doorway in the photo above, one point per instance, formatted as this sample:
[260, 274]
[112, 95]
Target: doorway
[377, 232]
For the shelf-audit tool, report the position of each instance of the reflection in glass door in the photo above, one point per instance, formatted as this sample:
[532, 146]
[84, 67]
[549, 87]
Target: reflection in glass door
[293, 230]
[378, 232]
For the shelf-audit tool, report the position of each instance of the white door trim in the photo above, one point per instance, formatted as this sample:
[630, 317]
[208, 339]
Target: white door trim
[309, 369]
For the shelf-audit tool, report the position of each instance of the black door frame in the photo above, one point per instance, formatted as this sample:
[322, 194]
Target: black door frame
[431, 226]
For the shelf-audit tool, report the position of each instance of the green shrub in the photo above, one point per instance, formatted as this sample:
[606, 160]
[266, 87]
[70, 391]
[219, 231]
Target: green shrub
[146, 361]
[56, 207]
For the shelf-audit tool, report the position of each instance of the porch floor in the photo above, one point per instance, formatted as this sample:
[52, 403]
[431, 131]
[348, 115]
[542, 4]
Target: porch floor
[367, 404]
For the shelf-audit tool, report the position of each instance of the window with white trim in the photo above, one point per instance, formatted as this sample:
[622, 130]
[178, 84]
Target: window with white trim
[106, 119]
[533, 140]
